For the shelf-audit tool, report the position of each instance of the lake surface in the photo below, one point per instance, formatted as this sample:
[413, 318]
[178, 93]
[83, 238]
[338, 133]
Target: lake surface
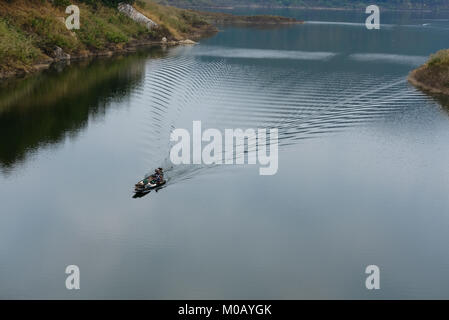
[363, 168]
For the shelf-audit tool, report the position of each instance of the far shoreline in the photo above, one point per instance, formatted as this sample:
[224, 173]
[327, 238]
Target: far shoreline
[310, 8]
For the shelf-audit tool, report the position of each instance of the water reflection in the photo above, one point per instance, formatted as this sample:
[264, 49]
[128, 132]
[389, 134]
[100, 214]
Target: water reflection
[444, 101]
[41, 110]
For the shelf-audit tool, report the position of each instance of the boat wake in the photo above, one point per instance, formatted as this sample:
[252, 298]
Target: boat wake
[301, 102]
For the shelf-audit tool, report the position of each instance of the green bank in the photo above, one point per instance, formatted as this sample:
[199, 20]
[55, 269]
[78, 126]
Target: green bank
[31, 31]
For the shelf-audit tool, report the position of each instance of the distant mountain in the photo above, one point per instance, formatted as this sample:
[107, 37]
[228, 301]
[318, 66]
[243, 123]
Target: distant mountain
[391, 4]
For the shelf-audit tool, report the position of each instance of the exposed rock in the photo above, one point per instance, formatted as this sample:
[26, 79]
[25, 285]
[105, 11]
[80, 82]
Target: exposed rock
[164, 39]
[188, 41]
[129, 11]
[58, 54]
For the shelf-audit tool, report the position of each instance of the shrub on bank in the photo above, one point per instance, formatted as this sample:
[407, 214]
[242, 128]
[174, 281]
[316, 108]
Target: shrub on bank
[440, 59]
[16, 48]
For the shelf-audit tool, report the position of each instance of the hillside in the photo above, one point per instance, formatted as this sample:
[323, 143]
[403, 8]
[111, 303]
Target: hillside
[390, 4]
[33, 32]
[434, 75]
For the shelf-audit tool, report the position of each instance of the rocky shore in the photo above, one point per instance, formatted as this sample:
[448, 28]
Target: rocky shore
[433, 76]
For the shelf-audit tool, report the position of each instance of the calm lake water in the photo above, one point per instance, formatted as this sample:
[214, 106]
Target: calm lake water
[363, 168]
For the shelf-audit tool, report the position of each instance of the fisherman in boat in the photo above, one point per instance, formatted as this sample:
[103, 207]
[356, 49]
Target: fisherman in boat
[155, 179]
[159, 176]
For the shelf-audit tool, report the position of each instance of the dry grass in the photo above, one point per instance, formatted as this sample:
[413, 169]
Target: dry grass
[434, 75]
[179, 23]
[30, 29]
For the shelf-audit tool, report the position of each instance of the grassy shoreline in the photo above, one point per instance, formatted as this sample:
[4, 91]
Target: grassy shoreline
[434, 75]
[33, 33]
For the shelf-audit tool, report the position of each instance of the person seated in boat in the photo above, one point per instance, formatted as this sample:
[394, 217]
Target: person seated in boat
[159, 176]
[154, 177]
[161, 172]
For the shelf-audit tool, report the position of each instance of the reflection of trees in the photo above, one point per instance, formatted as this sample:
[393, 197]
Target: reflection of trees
[444, 100]
[42, 110]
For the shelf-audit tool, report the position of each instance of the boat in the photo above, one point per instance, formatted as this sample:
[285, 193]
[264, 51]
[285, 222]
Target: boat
[148, 184]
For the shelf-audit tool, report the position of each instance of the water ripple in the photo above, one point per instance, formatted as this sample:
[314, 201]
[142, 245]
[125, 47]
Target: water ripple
[301, 104]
